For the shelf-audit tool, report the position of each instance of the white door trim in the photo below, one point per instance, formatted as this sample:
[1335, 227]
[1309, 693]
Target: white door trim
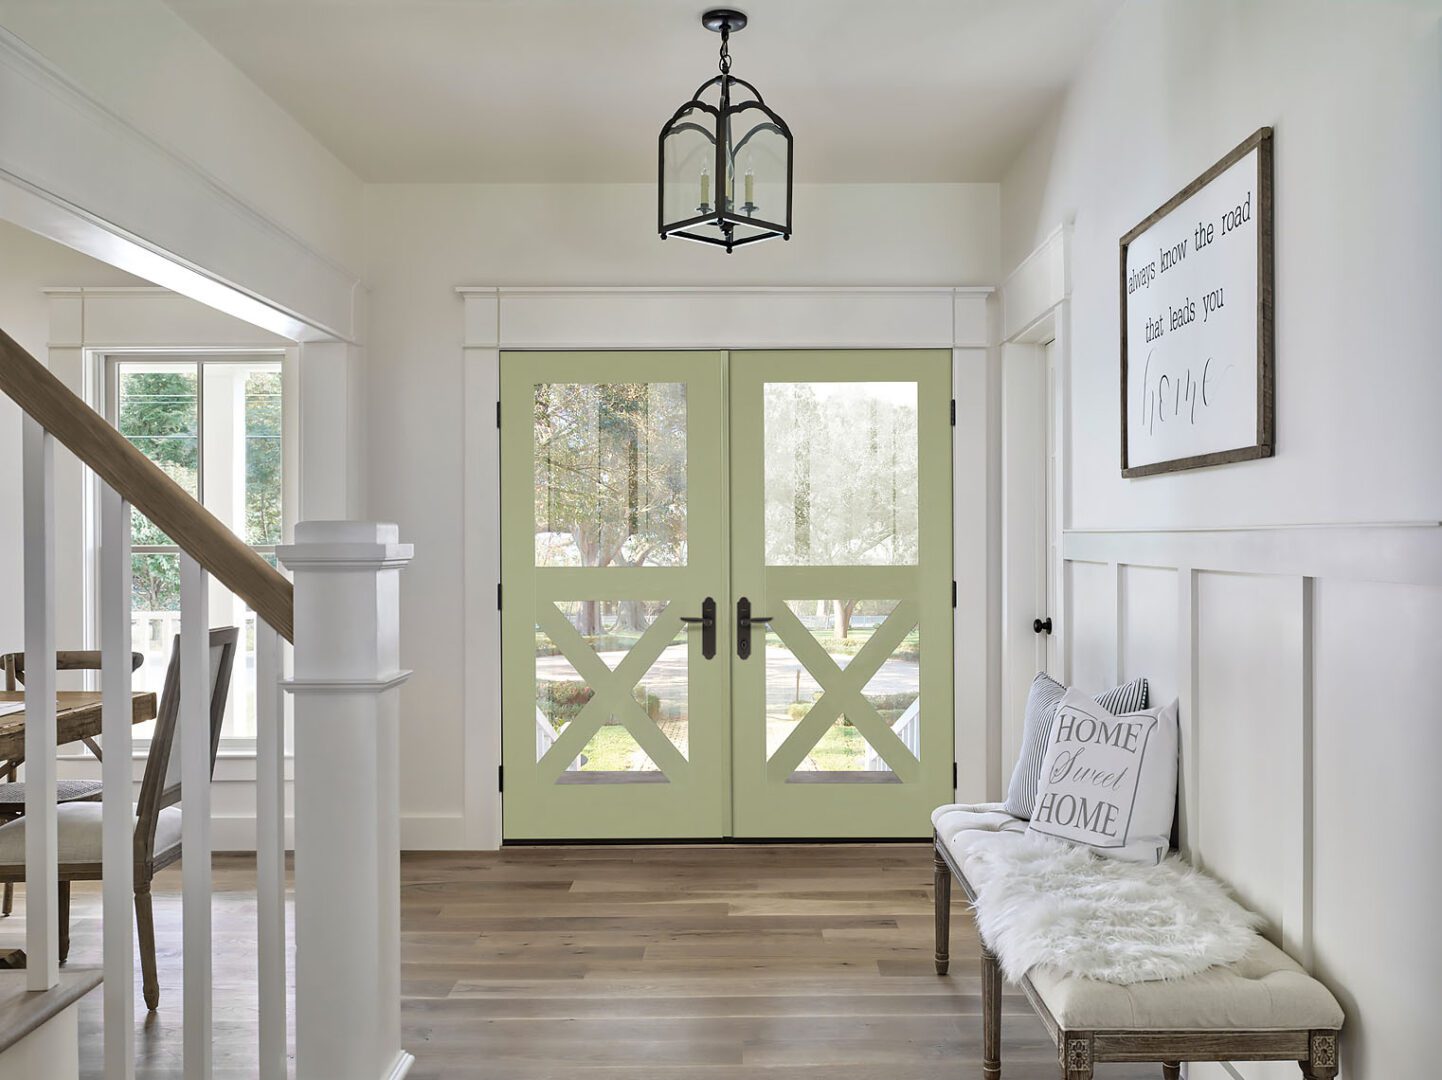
[496, 319]
[1036, 310]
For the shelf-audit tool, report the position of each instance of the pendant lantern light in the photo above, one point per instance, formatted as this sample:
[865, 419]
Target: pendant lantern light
[725, 159]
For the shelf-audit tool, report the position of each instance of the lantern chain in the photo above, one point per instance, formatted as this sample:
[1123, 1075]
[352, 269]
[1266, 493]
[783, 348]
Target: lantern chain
[725, 51]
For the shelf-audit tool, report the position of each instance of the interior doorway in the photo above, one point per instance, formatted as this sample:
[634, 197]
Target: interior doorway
[718, 572]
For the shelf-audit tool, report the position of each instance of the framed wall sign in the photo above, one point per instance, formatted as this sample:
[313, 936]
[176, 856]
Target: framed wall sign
[1197, 352]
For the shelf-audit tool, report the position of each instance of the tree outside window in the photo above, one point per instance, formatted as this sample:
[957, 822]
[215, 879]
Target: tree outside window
[214, 426]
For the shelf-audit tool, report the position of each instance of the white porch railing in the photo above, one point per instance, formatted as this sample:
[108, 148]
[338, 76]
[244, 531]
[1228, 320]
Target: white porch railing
[907, 727]
[343, 617]
[546, 737]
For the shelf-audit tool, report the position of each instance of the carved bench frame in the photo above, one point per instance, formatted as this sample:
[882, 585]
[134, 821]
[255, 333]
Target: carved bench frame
[1079, 1051]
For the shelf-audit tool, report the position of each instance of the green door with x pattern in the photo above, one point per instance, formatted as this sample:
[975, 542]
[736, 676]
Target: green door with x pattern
[615, 719]
[719, 572]
[841, 538]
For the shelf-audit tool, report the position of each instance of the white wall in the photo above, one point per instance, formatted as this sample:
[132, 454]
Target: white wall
[424, 240]
[1354, 92]
[1299, 655]
[29, 264]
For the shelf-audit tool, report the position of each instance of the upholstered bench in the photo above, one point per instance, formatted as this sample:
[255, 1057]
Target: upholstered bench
[1265, 1007]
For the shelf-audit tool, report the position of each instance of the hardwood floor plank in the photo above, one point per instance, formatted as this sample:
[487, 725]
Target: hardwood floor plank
[707, 962]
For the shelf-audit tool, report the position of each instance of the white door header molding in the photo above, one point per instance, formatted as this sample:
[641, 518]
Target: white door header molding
[1039, 283]
[149, 318]
[731, 318]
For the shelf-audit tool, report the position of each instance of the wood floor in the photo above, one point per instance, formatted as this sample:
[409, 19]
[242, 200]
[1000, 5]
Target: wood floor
[796, 962]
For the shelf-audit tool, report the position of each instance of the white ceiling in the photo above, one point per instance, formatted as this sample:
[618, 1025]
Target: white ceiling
[577, 90]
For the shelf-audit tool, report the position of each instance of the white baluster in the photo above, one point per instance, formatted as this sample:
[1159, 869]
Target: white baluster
[270, 850]
[42, 937]
[118, 810]
[193, 731]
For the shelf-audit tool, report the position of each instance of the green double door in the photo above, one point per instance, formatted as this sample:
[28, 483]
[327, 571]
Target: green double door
[719, 571]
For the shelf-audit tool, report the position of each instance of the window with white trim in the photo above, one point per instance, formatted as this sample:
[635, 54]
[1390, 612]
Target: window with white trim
[213, 422]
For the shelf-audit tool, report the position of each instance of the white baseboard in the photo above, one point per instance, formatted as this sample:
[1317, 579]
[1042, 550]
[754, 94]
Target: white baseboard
[424, 832]
[433, 832]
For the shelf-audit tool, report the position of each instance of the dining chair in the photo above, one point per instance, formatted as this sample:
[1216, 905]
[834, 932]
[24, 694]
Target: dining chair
[157, 818]
[12, 794]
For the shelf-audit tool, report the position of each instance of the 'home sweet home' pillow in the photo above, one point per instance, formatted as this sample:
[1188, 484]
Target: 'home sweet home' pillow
[1041, 702]
[1109, 781]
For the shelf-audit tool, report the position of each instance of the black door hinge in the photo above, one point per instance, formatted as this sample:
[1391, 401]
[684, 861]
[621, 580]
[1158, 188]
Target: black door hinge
[498, 415]
[501, 778]
[953, 776]
[953, 592]
[953, 412]
[498, 596]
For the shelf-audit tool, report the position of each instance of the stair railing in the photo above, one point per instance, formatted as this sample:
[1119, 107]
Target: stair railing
[342, 619]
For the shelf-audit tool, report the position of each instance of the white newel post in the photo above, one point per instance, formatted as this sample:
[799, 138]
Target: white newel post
[347, 817]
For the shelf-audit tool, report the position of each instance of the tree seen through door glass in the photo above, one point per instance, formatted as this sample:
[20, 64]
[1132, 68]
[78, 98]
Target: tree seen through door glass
[610, 472]
[841, 473]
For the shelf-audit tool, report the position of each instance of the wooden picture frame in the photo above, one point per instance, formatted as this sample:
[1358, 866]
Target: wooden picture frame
[1265, 440]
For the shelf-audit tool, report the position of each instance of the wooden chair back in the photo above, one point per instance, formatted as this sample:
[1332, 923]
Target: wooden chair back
[13, 664]
[160, 786]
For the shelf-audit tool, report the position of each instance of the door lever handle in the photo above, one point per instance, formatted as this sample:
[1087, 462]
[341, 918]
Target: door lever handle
[707, 620]
[744, 622]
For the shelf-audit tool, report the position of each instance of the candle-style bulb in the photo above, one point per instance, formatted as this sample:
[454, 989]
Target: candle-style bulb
[705, 185]
[750, 182]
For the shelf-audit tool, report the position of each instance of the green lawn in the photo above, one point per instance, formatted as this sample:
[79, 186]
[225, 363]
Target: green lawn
[840, 749]
[610, 749]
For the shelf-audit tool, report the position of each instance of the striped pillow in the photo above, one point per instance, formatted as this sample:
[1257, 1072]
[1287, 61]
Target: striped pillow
[1046, 694]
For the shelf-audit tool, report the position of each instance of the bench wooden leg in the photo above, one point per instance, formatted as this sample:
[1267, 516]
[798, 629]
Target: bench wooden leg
[1171, 1070]
[1321, 1063]
[990, 1015]
[62, 896]
[943, 913]
[1075, 1053]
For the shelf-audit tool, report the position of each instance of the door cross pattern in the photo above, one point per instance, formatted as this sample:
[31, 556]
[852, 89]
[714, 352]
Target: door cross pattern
[611, 693]
[841, 692]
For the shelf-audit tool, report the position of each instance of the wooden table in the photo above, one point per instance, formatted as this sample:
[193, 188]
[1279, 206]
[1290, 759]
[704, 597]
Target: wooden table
[77, 717]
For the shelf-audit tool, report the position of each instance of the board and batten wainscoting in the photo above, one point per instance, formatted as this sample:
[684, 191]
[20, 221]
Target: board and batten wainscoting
[1295, 653]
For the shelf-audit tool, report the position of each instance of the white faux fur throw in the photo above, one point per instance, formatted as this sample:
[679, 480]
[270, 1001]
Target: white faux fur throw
[1047, 902]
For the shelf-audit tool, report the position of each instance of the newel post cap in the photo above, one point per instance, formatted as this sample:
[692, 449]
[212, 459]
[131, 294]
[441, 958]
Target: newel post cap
[347, 605]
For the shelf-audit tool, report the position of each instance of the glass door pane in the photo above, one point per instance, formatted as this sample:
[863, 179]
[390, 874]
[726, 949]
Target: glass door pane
[841, 536]
[614, 719]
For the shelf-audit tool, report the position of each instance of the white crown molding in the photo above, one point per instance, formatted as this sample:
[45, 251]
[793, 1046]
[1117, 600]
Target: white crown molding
[58, 149]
